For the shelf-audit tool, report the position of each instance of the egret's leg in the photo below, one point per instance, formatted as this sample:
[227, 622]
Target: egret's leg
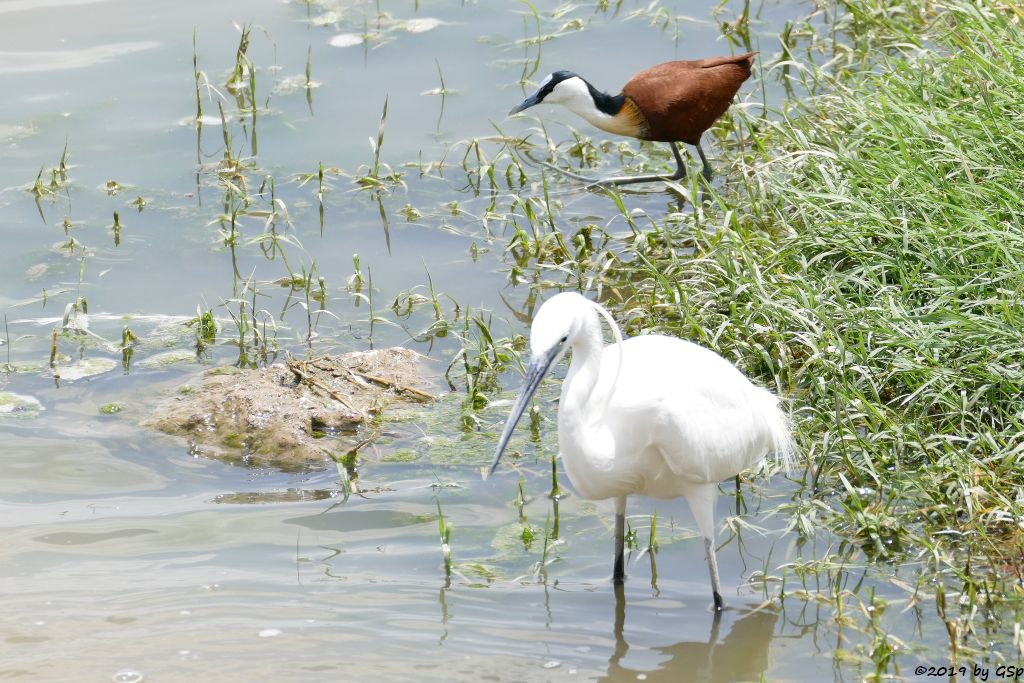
[716, 586]
[739, 497]
[702, 504]
[708, 175]
[619, 573]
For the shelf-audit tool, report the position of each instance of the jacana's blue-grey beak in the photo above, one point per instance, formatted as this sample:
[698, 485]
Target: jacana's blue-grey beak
[530, 101]
[535, 371]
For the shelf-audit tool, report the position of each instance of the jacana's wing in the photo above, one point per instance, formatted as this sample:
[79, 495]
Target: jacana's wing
[682, 99]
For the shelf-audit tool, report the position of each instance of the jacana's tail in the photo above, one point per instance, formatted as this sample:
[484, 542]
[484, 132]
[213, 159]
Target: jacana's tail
[746, 61]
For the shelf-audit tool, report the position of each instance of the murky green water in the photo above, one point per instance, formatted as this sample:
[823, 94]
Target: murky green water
[124, 555]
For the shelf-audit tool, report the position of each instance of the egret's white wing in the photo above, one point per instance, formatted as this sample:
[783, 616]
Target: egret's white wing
[708, 421]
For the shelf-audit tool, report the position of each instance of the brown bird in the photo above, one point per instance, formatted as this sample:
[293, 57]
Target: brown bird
[671, 102]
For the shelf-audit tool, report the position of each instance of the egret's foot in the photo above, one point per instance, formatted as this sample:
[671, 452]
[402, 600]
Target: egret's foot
[619, 573]
[619, 568]
[716, 624]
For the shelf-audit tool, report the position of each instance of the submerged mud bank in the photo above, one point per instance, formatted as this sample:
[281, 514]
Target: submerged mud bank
[284, 415]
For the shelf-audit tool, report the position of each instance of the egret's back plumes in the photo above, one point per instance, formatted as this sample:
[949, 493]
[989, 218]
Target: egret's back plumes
[781, 429]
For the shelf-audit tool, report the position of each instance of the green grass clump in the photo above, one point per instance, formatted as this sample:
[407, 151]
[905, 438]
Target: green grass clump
[874, 270]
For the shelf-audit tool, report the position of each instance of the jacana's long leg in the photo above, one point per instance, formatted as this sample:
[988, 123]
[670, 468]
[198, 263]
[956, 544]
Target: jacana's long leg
[623, 180]
[631, 180]
[680, 166]
[619, 573]
[679, 174]
[708, 174]
[617, 181]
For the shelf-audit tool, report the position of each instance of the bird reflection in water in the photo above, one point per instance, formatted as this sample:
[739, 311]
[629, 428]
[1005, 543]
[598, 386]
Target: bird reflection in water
[742, 655]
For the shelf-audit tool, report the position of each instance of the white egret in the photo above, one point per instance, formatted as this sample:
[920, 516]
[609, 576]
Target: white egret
[652, 415]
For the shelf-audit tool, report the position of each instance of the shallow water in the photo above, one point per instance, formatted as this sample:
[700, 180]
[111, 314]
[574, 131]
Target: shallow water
[124, 555]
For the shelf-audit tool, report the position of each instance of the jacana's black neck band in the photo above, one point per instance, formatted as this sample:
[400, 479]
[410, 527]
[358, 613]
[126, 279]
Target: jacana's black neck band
[609, 104]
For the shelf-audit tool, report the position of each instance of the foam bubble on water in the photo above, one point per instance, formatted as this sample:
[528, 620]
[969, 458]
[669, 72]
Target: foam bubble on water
[346, 40]
[421, 25]
[127, 676]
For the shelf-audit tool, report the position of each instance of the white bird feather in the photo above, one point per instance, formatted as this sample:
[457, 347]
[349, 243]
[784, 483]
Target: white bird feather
[651, 415]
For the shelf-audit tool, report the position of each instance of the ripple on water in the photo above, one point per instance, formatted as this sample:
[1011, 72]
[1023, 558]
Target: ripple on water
[53, 465]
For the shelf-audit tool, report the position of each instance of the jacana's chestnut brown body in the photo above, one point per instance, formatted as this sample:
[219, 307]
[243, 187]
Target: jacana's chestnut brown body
[671, 102]
[680, 100]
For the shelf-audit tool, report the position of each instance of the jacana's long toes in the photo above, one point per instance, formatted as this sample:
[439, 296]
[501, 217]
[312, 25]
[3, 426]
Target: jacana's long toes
[570, 174]
[617, 181]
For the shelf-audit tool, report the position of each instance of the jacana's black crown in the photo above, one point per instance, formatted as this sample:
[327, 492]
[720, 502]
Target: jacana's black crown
[558, 76]
[553, 80]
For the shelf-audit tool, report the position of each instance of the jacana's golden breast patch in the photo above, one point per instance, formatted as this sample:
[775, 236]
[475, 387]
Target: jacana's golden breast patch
[631, 121]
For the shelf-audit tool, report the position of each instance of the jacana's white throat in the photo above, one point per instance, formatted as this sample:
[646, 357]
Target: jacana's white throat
[576, 95]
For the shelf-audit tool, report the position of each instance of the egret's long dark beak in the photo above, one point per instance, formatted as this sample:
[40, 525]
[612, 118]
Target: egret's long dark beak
[535, 371]
[526, 104]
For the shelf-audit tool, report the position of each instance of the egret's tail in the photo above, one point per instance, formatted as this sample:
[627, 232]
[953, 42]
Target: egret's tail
[781, 429]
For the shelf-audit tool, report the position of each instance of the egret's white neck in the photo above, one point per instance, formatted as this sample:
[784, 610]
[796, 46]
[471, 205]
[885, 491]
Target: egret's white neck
[586, 443]
[580, 405]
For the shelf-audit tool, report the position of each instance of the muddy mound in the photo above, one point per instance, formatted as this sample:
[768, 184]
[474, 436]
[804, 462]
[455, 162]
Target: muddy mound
[280, 415]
